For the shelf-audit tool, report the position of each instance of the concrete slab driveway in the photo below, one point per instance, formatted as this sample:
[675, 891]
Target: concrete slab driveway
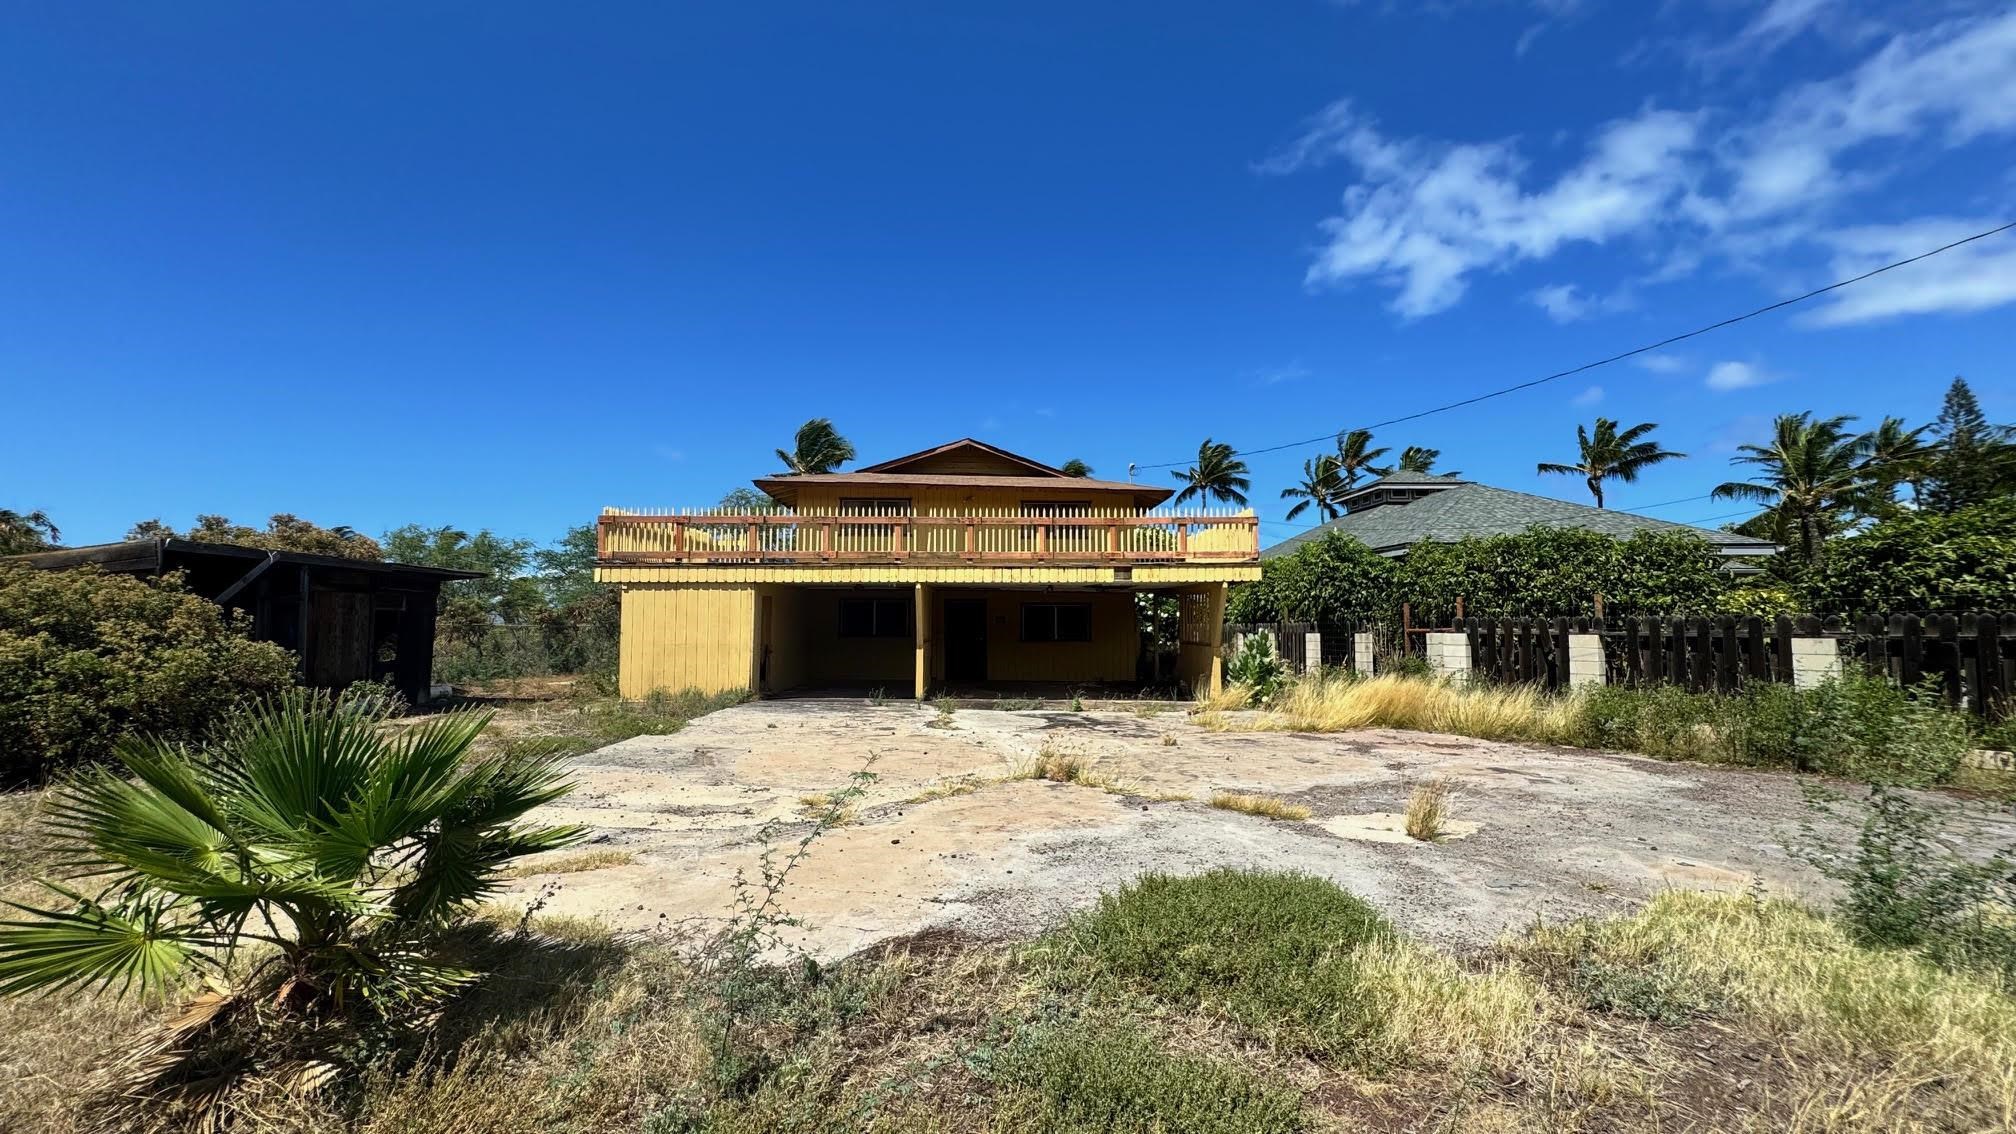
[946, 836]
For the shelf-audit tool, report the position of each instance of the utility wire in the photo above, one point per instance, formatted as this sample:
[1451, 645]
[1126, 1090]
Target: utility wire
[1587, 366]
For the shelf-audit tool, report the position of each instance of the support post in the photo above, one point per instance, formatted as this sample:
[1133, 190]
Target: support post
[1312, 651]
[1362, 653]
[1585, 659]
[1449, 654]
[1815, 661]
[922, 634]
[1217, 624]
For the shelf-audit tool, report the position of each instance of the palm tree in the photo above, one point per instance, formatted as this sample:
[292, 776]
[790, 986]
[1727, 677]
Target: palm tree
[1355, 457]
[817, 448]
[1610, 455]
[305, 863]
[1075, 467]
[1320, 486]
[1219, 475]
[1812, 473]
[1897, 455]
[1419, 459]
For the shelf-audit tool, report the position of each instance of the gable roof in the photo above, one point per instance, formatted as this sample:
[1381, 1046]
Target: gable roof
[1467, 508]
[966, 447]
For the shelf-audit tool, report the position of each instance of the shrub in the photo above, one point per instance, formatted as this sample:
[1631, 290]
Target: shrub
[1903, 887]
[87, 658]
[1255, 669]
[1922, 561]
[306, 862]
[1327, 580]
[1272, 949]
[1084, 1078]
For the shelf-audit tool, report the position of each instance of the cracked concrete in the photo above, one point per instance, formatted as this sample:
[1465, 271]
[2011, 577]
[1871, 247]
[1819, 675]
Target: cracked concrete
[1559, 833]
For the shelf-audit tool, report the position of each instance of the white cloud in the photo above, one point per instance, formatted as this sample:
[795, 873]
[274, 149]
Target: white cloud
[1294, 371]
[1661, 363]
[1737, 376]
[1426, 216]
[1972, 277]
[1423, 216]
[1588, 397]
[1566, 303]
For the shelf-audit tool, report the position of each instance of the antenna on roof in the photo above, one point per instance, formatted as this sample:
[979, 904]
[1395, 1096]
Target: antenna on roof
[1130, 472]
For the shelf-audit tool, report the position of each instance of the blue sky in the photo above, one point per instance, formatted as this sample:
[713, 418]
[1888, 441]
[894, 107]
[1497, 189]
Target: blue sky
[499, 265]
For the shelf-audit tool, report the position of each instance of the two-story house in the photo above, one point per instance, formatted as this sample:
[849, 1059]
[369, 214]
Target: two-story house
[957, 567]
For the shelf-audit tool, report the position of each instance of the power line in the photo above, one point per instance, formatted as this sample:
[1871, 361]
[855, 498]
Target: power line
[1587, 366]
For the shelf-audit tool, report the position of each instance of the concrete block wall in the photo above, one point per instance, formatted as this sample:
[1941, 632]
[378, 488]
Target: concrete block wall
[1312, 651]
[1361, 653]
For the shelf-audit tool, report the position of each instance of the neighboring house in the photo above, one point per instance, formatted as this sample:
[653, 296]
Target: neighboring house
[959, 566]
[1392, 514]
[345, 619]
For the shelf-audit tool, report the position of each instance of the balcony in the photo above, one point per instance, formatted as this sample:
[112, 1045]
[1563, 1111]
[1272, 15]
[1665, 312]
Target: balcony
[974, 537]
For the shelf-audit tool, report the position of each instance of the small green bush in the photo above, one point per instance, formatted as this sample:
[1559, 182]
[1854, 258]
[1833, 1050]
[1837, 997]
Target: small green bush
[1854, 726]
[87, 658]
[1256, 668]
[1903, 887]
[1273, 951]
[1078, 1077]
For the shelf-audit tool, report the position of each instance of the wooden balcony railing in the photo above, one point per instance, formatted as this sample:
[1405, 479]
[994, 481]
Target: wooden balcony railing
[980, 538]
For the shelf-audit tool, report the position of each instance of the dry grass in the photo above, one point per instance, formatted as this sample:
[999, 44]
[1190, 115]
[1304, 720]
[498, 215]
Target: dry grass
[1428, 809]
[1168, 740]
[1265, 806]
[573, 863]
[1874, 1039]
[964, 785]
[820, 805]
[1321, 703]
[1228, 698]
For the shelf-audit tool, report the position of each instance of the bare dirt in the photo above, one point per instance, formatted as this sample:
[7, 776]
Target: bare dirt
[946, 837]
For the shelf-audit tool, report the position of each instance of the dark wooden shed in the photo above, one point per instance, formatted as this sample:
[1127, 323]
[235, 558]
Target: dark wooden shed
[345, 619]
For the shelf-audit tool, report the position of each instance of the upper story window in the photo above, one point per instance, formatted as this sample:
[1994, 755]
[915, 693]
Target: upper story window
[875, 506]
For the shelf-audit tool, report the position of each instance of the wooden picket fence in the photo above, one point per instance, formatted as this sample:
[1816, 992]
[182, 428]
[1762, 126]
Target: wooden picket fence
[1971, 657]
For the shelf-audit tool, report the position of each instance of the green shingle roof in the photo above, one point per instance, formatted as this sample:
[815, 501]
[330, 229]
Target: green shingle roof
[1470, 509]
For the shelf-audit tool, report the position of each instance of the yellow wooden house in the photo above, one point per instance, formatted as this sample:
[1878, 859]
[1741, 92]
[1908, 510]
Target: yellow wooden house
[961, 567]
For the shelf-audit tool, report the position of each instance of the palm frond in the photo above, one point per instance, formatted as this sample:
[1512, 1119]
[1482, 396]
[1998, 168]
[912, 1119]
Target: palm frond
[135, 943]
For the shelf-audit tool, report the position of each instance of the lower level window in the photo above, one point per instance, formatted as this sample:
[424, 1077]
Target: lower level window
[1056, 622]
[874, 618]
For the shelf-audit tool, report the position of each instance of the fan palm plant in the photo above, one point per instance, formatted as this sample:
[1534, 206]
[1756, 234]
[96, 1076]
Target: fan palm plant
[816, 448]
[1610, 455]
[1219, 475]
[306, 864]
[1075, 467]
[1812, 476]
[1356, 457]
[1320, 486]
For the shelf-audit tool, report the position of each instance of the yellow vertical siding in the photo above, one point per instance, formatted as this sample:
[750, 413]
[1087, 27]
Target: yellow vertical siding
[687, 637]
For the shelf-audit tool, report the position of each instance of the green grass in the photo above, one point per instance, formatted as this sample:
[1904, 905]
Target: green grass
[1272, 951]
[1097, 1077]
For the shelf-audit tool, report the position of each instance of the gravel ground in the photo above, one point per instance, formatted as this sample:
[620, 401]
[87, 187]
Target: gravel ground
[1558, 832]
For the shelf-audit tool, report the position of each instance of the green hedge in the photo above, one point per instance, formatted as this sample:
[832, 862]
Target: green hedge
[86, 658]
[1542, 571]
[1918, 561]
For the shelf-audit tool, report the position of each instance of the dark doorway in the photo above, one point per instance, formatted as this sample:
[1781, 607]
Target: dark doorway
[965, 640]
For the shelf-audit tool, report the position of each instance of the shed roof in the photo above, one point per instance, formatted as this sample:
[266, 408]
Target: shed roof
[150, 554]
[1466, 508]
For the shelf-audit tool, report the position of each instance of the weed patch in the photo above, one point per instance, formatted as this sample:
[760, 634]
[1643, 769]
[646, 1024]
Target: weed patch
[1266, 807]
[1075, 1078]
[1428, 810]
